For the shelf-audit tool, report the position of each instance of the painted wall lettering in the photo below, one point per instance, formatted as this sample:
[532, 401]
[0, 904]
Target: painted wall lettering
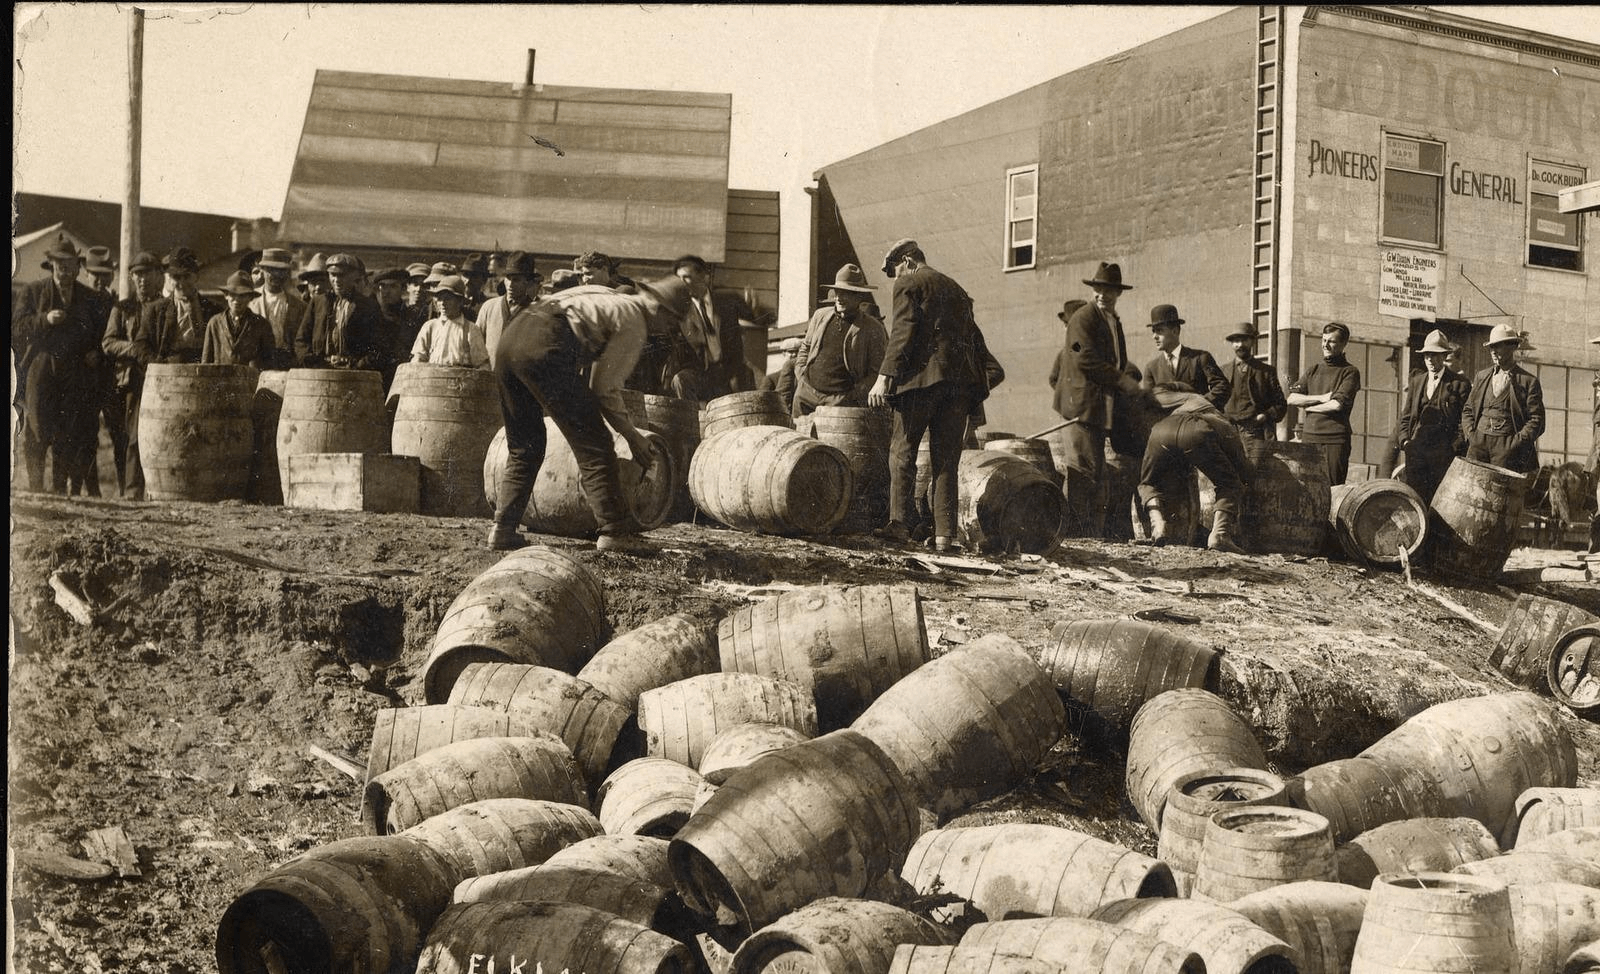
[1329, 161]
[1408, 283]
[1484, 185]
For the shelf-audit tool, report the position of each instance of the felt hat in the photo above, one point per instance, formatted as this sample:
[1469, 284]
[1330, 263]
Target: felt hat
[64, 249]
[1069, 308]
[1500, 334]
[181, 259]
[901, 247]
[315, 267]
[520, 263]
[1164, 314]
[671, 291]
[850, 278]
[563, 277]
[239, 285]
[451, 284]
[391, 274]
[145, 261]
[99, 261]
[439, 271]
[1244, 329]
[1436, 342]
[1108, 275]
[275, 259]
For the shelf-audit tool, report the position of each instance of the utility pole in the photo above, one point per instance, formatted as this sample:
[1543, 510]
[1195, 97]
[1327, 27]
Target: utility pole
[130, 199]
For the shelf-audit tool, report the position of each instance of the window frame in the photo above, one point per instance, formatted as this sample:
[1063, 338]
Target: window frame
[1010, 243]
[1384, 167]
[1528, 242]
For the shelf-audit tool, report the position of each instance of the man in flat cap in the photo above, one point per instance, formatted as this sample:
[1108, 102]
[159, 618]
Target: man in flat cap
[1430, 422]
[238, 336]
[451, 338]
[839, 357]
[1095, 374]
[278, 304]
[341, 333]
[521, 280]
[396, 333]
[128, 360]
[1255, 400]
[932, 376]
[1504, 414]
[1178, 368]
[1326, 392]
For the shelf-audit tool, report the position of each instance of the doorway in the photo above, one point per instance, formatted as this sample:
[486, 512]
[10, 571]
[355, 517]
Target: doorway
[1470, 357]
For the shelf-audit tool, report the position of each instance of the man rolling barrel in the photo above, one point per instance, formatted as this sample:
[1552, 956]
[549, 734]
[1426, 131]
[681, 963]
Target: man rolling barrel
[540, 364]
[1193, 436]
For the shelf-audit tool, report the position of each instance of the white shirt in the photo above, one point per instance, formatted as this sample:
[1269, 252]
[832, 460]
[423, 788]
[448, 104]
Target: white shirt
[451, 341]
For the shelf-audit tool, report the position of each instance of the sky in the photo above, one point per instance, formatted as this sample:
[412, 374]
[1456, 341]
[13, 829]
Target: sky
[226, 85]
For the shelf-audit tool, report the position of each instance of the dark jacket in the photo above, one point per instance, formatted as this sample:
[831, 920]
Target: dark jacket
[57, 365]
[932, 335]
[1090, 368]
[1434, 425]
[1344, 381]
[1526, 404]
[1197, 372]
[319, 341]
[245, 341]
[157, 336]
[1262, 393]
[118, 344]
[864, 341]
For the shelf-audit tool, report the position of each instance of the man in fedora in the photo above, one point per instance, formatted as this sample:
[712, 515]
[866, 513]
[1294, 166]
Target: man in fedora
[521, 280]
[1430, 424]
[1094, 374]
[238, 336]
[128, 360]
[1176, 368]
[475, 272]
[102, 271]
[342, 332]
[396, 333]
[451, 338]
[1255, 400]
[280, 306]
[1504, 413]
[1326, 392]
[837, 361]
[932, 376]
[175, 329]
[55, 332]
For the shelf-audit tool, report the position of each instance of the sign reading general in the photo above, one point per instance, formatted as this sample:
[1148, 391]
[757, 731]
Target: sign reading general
[1408, 283]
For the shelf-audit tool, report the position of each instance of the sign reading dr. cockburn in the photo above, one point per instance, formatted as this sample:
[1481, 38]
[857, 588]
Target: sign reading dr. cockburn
[1408, 283]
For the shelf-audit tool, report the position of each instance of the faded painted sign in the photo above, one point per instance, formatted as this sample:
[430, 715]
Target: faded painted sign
[1408, 283]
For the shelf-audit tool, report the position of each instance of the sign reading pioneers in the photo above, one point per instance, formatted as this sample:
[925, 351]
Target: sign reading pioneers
[1409, 283]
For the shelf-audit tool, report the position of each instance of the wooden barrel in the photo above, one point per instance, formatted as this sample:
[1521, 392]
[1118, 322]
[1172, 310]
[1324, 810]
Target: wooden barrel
[647, 796]
[1584, 960]
[680, 720]
[1113, 667]
[836, 935]
[1004, 504]
[678, 422]
[196, 437]
[1416, 845]
[1375, 519]
[985, 437]
[1187, 522]
[1534, 867]
[1581, 843]
[503, 833]
[655, 907]
[535, 605]
[265, 408]
[771, 480]
[657, 653]
[1286, 508]
[640, 857]
[400, 734]
[557, 505]
[361, 904]
[446, 416]
[472, 771]
[739, 410]
[1191, 802]
[1226, 941]
[741, 744]
[331, 411]
[1182, 732]
[1081, 944]
[967, 726]
[1551, 920]
[935, 959]
[1528, 634]
[1545, 811]
[1473, 757]
[845, 645]
[1355, 795]
[1119, 491]
[1015, 870]
[552, 702]
[1573, 672]
[1036, 453]
[1247, 850]
[836, 803]
[1475, 517]
[561, 936]
[862, 434]
[1435, 922]
[1319, 920]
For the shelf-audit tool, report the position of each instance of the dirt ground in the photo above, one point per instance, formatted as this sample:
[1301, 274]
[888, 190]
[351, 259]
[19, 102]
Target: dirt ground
[229, 638]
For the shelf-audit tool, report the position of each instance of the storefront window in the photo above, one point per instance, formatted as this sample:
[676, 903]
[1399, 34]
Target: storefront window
[1413, 190]
[1022, 216]
[1555, 239]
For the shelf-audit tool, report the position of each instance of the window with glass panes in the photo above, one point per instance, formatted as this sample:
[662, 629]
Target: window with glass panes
[1022, 216]
[1555, 239]
[1413, 190]
[1568, 412]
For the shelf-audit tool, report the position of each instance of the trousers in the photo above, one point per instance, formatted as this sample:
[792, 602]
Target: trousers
[940, 413]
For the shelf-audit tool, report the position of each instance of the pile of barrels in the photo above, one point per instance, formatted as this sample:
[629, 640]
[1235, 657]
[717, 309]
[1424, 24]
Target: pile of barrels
[772, 792]
[1552, 647]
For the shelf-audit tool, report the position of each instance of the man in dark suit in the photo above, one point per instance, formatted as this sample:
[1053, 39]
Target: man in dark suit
[55, 332]
[128, 361]
[1094, 373]
[1176, 368]
[1255, 400]
[1430, 426]
[279, 304]
[1504, 414]
[932, 378]
[714, 331]
[173, 330]
[342, 333]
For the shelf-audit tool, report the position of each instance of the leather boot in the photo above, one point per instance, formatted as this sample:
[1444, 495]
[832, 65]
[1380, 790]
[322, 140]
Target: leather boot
[1222, 529]
[504, 537]
[1158, 523]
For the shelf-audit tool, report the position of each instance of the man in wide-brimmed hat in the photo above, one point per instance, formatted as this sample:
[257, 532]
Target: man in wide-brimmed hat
[451, 338]
[1178, 368]
[128, 360]
[342, 332]
[55, 336]
[282, 308]
[102, 270]
[521, 280]
[1429, 431]
[540, 368]
[1326, 393]
[839, 357]
[238, 336]
[1095, 372]
[1504, 414]
[1255, 400]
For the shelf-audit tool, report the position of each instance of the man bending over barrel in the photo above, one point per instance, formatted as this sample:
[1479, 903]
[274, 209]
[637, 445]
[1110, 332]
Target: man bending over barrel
[540, 362]
[1193, 436]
